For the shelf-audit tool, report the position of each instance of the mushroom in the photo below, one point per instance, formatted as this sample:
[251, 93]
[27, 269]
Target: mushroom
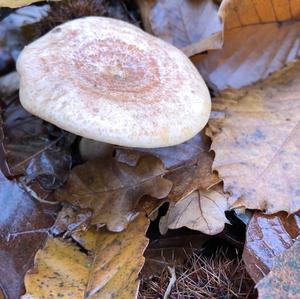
[109, 81]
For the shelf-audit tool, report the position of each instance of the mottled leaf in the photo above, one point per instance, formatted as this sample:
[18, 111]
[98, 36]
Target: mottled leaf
[110, 270]
[257, 147]
[283, 281]
[113, 189]
[267, 237]
[24, 226]
[202, 211]
[260, 37]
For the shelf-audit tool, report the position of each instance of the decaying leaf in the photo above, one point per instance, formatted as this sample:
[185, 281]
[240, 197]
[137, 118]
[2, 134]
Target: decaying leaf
[18, 3]
[193, 26]
[203, 211]
[113, 189]
[110, 270]
[188, 164]
[260, 37]
[69, 220]
[257, 147]
[283, 281]
[184, 154]
[33, 147]
[24, 226]
[20, 27]
[267, 237]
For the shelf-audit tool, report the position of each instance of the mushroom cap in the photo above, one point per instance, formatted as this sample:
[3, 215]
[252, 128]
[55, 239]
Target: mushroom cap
[109, 81]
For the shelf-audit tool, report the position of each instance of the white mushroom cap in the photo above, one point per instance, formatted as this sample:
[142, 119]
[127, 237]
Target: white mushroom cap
[107, 80]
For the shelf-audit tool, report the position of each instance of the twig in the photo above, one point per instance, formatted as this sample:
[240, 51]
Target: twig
[171, 282]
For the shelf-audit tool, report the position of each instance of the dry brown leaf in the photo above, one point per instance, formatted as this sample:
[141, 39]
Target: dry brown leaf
[188, 164]
[113, 189]
[18, 3]
[260, 37]
[284, 279]
[268, 236]
[202, 211]
[258, 146]
[109, 271]
[193, 26]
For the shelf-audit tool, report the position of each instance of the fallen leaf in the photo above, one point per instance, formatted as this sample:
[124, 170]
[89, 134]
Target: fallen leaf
[69, 220]
[260, 37]
[33, 147]
[189, 178]
[113, 189]
[18, 3]
[268, 236]
[188, 164]
[283, 280]
[183, 154]
[24, 226]
[193, 26]
[202, 211]
[20, 27]
[110, 270]
[257, 146]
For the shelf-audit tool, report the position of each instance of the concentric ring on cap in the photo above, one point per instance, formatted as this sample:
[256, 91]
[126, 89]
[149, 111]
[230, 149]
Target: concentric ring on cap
[109, 81]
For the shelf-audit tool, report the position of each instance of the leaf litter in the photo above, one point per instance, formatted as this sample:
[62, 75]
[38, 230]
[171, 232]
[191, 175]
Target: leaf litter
[253, 130]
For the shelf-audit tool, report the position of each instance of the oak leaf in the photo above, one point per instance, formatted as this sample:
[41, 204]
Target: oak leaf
[112, 190]
[260, 37]
[257, 147]
[110, 270]
[201, 210]
[284, 278]
[267, 236]
[188, 164]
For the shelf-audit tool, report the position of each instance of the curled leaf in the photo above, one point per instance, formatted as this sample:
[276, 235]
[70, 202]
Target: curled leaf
[202, 211]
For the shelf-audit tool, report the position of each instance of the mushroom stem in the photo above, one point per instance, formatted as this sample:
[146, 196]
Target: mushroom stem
[90, 149]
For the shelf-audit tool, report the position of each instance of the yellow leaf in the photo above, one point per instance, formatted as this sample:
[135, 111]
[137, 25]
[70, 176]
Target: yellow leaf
[18, 3]
[260, 37]
[109, 271]
[257, 147]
